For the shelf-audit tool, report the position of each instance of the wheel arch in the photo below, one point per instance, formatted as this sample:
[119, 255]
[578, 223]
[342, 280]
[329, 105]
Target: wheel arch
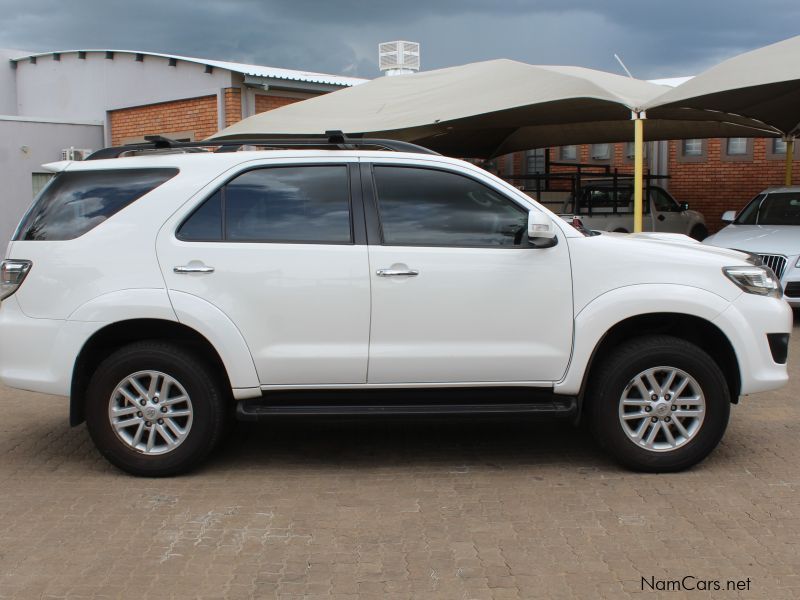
[115, 335]
[694, 329]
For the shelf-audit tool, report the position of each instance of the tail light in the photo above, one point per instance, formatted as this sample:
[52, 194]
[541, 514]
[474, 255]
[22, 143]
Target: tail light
[12, 274]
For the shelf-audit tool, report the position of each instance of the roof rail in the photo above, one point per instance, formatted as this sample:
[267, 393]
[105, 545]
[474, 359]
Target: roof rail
[331, 139]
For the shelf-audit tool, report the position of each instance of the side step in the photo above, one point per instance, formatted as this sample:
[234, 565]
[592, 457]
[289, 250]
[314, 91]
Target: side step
[452, 401]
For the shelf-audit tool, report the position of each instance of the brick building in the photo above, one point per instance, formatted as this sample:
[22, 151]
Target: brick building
[713, 175]
[86, 99]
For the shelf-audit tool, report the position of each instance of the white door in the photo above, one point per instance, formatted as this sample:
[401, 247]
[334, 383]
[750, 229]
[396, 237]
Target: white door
[274, 249]
[458, 294]
[667, 214]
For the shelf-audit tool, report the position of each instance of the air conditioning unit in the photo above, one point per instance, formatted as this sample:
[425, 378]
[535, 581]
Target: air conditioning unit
[398, 58]
[75, 153]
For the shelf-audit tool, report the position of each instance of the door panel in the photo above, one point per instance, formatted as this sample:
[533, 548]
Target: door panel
[303, 308]
[498, 311]
[668, 216]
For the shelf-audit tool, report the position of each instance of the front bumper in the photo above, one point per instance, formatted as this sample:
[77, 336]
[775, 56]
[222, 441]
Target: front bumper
[747, 322]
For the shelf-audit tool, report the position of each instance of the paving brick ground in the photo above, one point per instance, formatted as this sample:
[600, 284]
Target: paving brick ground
[420, 509]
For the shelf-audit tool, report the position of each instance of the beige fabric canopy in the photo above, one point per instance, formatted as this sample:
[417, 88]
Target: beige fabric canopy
[763, 85]
[493, 107]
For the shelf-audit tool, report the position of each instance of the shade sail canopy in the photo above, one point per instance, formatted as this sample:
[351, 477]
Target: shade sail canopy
[762, 85]
[489, 108]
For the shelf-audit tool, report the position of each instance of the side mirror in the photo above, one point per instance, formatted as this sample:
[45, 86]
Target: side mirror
[541, 231]
[729, 216]
[684, 206]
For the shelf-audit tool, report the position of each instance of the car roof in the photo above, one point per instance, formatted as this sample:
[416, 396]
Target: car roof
[783, 188]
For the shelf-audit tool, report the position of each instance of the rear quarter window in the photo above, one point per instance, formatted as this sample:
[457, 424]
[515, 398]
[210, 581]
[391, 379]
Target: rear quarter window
[78, 201]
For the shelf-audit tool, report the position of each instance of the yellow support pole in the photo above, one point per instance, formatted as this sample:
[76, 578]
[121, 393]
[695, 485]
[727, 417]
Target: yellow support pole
[789, 159]
[638, 168]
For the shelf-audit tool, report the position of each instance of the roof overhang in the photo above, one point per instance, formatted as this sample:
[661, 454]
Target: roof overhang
[287, 85]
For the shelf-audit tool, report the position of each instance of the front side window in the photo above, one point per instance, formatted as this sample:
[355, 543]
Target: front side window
[308, 204]
[74, 202]
[427, 207]
[662, 202]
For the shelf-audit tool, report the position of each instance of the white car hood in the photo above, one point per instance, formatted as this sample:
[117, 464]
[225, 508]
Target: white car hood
[763, 239]
[679, 242]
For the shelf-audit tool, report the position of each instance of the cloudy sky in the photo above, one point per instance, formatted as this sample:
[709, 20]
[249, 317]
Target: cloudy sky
[656, 38]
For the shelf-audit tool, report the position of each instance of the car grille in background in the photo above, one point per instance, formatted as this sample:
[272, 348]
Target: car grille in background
[792, 289]
[776, 262]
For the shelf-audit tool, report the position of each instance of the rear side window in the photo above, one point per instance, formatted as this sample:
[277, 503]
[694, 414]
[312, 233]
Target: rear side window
[305, 204]
[76, 202]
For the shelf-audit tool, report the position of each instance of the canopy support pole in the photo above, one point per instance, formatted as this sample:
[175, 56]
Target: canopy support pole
[638, 168]
[789, 158]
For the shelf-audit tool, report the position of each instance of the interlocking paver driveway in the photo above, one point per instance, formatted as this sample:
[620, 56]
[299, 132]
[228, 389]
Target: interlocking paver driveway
[388, 509]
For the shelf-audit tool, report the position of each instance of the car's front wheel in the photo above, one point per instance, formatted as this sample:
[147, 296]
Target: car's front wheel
[658, 403]
[154, 409]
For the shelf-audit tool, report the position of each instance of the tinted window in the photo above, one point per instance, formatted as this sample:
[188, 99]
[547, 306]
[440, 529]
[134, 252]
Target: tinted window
[277, 204]
[76, 202]
[424, 207]
[662, 201]
[772, 209]
[205, 224]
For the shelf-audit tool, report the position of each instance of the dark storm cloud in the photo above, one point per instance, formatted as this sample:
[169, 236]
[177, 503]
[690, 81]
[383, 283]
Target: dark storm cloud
[655, 38]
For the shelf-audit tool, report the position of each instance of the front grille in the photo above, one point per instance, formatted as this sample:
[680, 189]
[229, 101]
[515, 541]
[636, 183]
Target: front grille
[792, 289]
[776, 262]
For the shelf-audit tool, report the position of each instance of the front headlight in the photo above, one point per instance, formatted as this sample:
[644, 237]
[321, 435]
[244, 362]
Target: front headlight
[754, 280]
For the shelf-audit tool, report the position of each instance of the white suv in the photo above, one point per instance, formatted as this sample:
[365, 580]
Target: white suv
[163, 289]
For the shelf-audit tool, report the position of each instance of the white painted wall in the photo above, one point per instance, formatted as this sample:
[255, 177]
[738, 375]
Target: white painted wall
[75, 88]
[25, 146]
[8, 85]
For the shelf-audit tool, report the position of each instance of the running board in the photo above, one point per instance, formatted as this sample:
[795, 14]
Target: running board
[494, 401]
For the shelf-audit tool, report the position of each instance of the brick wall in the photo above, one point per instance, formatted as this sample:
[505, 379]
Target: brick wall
[715, 185]
[265, 103]
[233, 105]
[197, 115]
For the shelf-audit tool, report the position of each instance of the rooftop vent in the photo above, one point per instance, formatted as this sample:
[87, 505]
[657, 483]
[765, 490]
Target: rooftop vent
[398, 58]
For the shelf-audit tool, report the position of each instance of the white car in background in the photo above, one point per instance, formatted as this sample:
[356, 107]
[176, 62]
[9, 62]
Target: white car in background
[769, 226]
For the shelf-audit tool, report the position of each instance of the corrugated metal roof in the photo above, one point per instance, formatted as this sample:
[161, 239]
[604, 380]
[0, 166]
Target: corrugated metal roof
[243, 68]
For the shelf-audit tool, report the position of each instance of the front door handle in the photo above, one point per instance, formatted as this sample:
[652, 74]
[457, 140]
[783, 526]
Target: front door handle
[661, 217]
[397, 273]
[193, 268]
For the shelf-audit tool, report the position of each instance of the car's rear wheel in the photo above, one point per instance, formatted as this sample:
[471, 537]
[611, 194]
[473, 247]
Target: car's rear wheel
[658, 403]
[699, 233]
[155, 409]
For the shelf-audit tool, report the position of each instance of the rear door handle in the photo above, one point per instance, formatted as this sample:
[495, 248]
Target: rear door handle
[193, 268]
[397, 273]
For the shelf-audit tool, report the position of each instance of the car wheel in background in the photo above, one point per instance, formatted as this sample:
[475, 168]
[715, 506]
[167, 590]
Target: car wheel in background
[699, 233]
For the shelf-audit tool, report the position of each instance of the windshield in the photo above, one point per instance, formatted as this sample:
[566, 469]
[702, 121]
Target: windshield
[781, 208]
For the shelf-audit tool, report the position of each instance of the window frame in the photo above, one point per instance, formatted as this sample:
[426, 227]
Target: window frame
[688, 158]
[355, 206]
[375, 224]
[746, 156]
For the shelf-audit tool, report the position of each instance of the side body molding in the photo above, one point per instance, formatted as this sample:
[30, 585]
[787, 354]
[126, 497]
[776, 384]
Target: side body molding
[615, 306]
[211, 322]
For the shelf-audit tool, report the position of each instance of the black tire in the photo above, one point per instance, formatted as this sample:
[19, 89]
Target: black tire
[699, 233]
[610, 378]
[208, 401]
[620, 230]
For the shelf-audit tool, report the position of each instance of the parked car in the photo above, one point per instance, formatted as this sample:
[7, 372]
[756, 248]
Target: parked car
[605, 207]
[160, 292]
[769, 226]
